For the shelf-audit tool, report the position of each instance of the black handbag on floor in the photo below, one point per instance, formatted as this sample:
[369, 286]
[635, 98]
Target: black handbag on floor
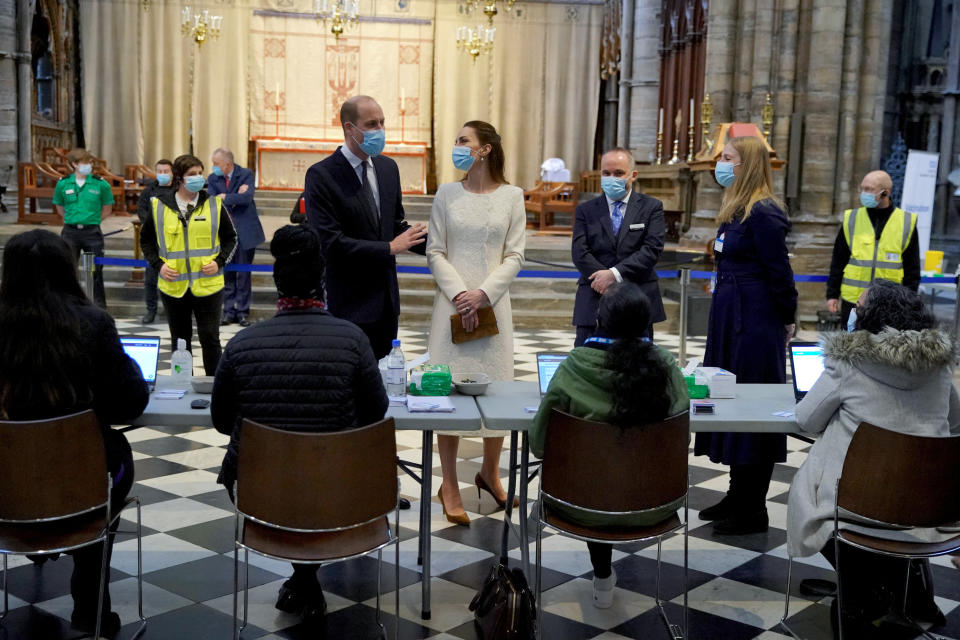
[504, 608]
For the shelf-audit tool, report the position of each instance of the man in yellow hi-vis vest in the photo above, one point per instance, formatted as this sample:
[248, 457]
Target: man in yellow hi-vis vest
[876, 240]
[188, 238]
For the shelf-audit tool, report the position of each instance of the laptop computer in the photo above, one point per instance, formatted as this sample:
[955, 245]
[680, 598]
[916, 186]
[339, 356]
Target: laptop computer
[547, 364]
[806, 363]
[145, 351]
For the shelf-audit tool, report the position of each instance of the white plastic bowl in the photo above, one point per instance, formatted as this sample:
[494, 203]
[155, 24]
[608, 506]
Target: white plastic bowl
[202, 384]
[472, 384]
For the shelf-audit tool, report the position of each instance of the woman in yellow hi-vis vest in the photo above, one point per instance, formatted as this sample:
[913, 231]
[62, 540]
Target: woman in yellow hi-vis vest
[188, 238]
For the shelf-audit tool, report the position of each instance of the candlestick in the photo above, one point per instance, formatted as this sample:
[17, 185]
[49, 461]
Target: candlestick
[691, 112]
[676, 148]
[660, 146]
[660, 123]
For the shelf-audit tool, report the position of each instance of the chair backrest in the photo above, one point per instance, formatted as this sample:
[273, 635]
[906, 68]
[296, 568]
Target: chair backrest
[600, 466]
[902, 479]
[316, 481]
[52, 469]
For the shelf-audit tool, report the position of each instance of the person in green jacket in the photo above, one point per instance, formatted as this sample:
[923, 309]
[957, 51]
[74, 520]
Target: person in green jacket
[617, 376]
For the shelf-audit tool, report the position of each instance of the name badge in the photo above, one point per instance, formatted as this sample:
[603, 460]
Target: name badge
[718, 243]
[893, 257]
[69, 192]
[199, 219]
[637, 227]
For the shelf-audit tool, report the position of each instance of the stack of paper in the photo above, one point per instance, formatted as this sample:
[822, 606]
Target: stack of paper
[429, 404]
[169, 394]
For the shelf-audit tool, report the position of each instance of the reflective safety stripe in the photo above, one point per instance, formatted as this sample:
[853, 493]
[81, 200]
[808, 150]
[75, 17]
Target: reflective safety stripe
[879, 264]
[215, 223]
[174, 255]
[907, 228]
[851, 225]
[161, 236]
[195, 274]
[862, 284]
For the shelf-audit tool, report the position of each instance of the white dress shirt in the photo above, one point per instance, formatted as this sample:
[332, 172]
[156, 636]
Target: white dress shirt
[355, 162]
[610, 205]
[182, 204]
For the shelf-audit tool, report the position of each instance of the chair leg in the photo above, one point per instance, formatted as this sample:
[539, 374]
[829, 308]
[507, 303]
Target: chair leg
[676, 633]
[246, 587]
[836, 560]
[6, 597]
[538, 587]
[396, 576]
[143, 620]
[786, 600]
[383, 631]
[916, 626]
[104, 573]
[236, 587]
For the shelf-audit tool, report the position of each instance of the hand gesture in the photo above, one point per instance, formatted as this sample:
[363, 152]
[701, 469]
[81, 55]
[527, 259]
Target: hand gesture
[409, 238]
[168, 273]
[833, 305]
[467, 302]
[600, 281]
[243, 189]
[210, 268]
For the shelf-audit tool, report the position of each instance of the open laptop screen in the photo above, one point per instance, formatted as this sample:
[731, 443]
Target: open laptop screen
[806, 360]
[547, 364]
[145, 351]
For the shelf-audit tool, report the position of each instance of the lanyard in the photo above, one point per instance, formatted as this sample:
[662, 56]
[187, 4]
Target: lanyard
[599, 341]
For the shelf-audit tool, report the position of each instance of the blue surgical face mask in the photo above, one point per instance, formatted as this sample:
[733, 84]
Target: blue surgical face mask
[724, 174]
[463, 158]
[163, 179]
[194, 183]
[614, 187]
[373, 141]
[852, 321]
[217, 171]
[869, 200]
[85, 169]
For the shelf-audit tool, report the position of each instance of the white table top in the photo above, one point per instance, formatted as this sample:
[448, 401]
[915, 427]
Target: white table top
[177, 413]
[751, 411]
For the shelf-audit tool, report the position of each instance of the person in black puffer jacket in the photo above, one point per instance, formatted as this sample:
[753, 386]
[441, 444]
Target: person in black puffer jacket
[60, 354]
[302, 370]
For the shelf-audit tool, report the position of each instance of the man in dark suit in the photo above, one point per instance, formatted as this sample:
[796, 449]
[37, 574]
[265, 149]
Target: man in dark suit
[616, 237]
[234, 185]
[353, 200]
[164, 171]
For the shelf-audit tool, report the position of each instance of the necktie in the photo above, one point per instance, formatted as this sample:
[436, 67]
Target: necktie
[368, 192]
[228, 182]
[617, 217]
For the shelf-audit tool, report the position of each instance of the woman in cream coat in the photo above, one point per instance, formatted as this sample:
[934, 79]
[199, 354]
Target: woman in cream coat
[894, 371]
[475, 249]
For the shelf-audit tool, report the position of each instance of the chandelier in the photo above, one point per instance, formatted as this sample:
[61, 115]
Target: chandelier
[489, 7]
[340, 13]
[200, 26]
[475, 40]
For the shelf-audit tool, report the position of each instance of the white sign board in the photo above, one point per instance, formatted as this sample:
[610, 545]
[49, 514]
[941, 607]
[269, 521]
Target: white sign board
[919, 189]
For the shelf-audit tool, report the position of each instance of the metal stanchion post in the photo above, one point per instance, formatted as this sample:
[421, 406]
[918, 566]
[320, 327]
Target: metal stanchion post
[684, 284]
[956, 307]
[86, 271]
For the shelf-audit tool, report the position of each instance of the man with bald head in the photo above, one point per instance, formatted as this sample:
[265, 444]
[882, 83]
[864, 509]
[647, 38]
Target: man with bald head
[353, 199]
[876, 240]
[234, 186]
[616, 237]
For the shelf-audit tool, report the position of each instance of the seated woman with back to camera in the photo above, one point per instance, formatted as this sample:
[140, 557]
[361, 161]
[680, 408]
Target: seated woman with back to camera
[893, 370]
[617, 376]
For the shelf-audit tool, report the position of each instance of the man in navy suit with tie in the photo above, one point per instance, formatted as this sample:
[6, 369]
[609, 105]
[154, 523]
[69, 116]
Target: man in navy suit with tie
[617, 237]
[234, 185]
[353, 200]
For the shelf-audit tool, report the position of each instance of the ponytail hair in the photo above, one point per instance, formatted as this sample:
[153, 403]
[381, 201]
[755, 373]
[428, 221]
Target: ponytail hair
[487, 134]
[640, 393]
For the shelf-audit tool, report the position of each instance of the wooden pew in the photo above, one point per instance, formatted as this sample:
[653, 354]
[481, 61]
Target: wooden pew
[35, 181]
[547, 199]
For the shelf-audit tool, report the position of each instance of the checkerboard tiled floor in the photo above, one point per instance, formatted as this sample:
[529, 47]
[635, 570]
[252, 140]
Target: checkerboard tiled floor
[736, 583]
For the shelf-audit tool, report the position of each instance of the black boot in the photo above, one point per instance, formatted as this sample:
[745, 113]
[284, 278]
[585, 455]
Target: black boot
[723, 509]
[743, 523]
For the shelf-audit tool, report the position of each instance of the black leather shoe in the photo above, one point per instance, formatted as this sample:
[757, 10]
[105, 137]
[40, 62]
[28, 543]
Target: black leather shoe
[148, 317]
[306, 602]
[404, 503]
[719, 511]
[244, 321]
[743, 524]
[109, 623]
[225, 320]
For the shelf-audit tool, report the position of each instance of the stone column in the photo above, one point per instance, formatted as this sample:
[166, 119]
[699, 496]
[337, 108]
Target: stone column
[8, 89]
[25, 10]
[644, 83]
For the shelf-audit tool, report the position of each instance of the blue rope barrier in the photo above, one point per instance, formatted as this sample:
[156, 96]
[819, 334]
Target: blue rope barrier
[524, 273]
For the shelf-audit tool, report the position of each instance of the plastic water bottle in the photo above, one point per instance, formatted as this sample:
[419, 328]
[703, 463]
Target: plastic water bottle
[396, 372]
[181, 366]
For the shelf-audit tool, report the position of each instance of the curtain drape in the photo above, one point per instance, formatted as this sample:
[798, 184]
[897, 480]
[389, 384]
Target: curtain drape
[539, 87]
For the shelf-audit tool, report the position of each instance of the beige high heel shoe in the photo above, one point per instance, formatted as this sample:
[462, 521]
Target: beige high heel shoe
[462, 519]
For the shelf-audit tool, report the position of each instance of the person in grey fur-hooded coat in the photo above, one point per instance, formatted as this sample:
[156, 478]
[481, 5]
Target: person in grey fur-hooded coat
[898, 380]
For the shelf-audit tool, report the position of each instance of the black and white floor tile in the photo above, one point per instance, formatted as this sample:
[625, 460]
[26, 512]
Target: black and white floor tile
[736, 584]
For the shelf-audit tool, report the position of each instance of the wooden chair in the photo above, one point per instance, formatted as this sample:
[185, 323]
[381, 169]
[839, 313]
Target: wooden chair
[590, 182]
[36, 180]
[600, 468]
[316, 498]
[55, 494]
[547, 199]
[897, 481]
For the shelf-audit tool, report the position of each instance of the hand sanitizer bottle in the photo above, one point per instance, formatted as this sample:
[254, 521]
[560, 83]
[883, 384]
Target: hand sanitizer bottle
[181, 366]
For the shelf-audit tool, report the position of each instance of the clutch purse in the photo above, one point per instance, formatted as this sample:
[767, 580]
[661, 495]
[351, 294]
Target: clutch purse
[486, 328]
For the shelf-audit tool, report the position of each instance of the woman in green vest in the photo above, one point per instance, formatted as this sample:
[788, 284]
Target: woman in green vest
[189, 239]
